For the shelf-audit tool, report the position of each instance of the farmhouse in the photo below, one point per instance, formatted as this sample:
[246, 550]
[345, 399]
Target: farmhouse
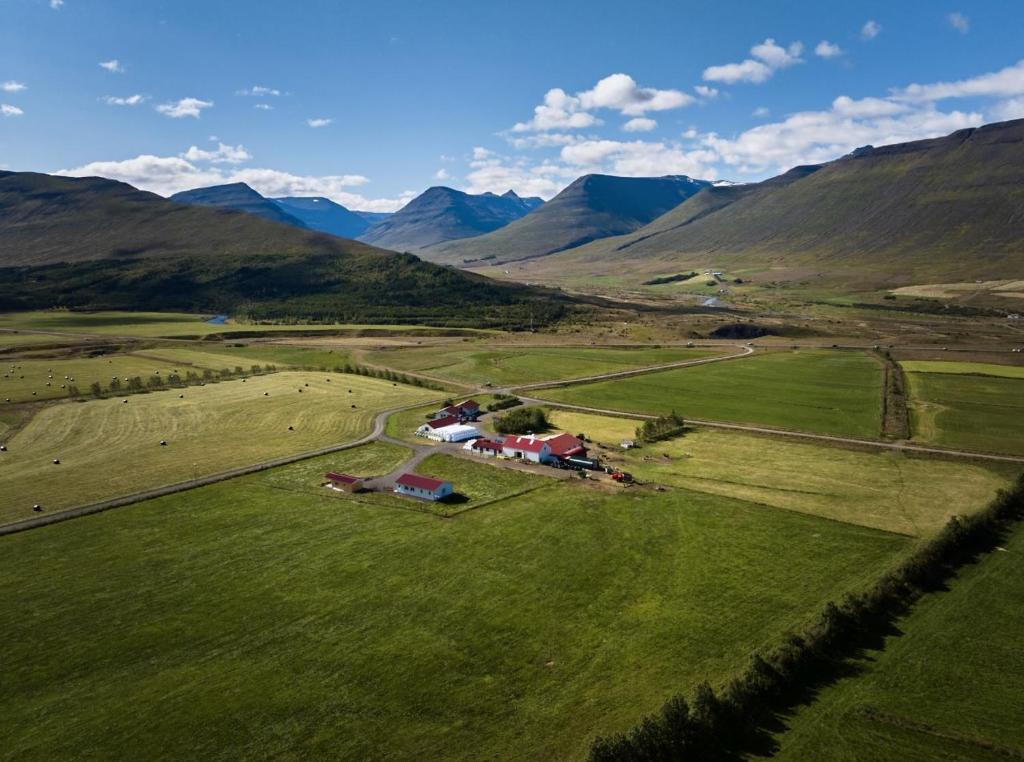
[464, 411]
[565, 445]
[489, 447]
[526, 448]
[343, 482]
[456, 432]
[422, 487]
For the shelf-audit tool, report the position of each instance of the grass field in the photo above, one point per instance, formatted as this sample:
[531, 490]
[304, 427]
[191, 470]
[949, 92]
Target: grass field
[170, 324]
[968, 411]
[246, 619]
[945, 687]
[108, 448]
[30, 376]
[229, 355]
[821, 391]
[522, 365]
[963, 368]
[885, 490]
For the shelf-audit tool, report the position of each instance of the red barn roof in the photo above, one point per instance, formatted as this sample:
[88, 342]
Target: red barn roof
[486, 444]
[343, 478]
[448, 420]
[470, 404]
[526, 444]
[419, 482]
[564, 445]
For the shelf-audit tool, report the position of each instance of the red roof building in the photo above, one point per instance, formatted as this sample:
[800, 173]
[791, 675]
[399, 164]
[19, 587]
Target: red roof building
[344, 482]
[527, 448]
[422, 487]
[487, 446]
[448, 420]
[565, 445]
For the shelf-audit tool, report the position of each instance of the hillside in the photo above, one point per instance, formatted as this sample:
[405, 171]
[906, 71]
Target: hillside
[592, 207]
[318, 213]
[946, 209]
[90, 242]
[444, 214]
[239, 197]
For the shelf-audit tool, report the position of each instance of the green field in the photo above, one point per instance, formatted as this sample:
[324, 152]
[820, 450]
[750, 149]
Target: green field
[885, 490]
[170, 324]
[30, 376]
[222, 355]
[108, 448]
[945, 687]
[254, 619]
[820, 391]
[522, 365]
[963, 368]
[968, 411]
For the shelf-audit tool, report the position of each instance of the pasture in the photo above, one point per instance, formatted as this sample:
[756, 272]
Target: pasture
[973, 412]
[19, 379]
[829, 392]
[880, 489]
[247, 620]
[946, 686]
[503, 366]
[109, 448]
[227, 355]
[963, 368]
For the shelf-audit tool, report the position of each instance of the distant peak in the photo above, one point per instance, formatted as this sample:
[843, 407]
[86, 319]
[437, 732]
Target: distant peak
[510, 194]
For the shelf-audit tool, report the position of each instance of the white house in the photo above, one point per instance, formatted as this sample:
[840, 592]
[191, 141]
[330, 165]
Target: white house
[423, 487]
[526, 448]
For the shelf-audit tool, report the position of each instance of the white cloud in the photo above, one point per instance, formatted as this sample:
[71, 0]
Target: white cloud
[639, 124]
[56, 4]
[826, 49]
[184, 107]
[767, 58]
[559, 111]
[495, 173]
[959, 22]
[259, 91]
[320, 122]
[637, 158]
[541, 140]
[11, 86]
[761, 111]
[131, 100]
[113, 66]
[222, 154]
[441, 174]
[263, 107]
[169, 174]
[867, 107]
[8, 110]
[1005, 83]
[1012, 108]
[706, 92]
[870, 30]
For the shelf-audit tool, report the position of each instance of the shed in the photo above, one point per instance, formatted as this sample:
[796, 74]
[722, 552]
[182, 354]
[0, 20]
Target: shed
[423, 487]
[488, 447]
[343, 482]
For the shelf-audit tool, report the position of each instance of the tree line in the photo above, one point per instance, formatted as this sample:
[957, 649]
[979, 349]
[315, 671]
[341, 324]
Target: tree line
[662, 427]
[174, 380]
[722, 725]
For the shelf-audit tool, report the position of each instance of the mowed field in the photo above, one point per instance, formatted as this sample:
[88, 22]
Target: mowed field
[108, 448]
[886, 490]
[947, 686]
[974, 412]
[26, 380]
[829, 392]
[257, 618]
[522, 365]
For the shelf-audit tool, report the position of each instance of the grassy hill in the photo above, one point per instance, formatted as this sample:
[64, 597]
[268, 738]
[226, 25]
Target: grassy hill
[444, 214]
[95, 243]
[593, 207]
[946, 209]
[239, 197]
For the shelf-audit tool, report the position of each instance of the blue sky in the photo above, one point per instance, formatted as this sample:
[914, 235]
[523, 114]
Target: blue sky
[370, 103]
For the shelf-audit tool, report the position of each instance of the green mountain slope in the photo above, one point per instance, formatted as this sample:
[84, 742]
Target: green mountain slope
[89, 242]
[444, 214]
[238, 197]
[947, 209]
[592, 207]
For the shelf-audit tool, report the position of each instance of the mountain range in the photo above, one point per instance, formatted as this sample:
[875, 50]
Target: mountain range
[237, 197]
[96, 243]
[443, 214]
[592, 207]
[939, 210]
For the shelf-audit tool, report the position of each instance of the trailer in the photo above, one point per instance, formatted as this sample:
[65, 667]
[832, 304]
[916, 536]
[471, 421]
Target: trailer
[578, 462]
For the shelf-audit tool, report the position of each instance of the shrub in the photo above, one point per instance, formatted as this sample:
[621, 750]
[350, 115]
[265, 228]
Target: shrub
[522, 421]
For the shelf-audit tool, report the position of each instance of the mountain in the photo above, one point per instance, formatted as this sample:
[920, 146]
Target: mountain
[318, 213]
[444, 214]
[940, 210]
[592, 207]
[239, 197]
[96, 243]
[373, 217]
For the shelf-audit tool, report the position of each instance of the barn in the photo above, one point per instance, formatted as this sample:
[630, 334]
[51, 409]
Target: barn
[464, 411]
[343, 482]
[528, 448]
[437, 423]
[565, 445]
[422, 487]
[488, 447]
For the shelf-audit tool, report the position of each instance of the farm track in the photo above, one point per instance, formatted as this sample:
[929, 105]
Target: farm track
[422, 451]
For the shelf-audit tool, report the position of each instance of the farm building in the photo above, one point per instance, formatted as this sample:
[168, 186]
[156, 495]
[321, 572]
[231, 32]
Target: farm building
[489, 447]
[565, 445]
[526, 448]
[464, 411]
[455, 433]
[343, 482]
[422, 487]
[437, 423]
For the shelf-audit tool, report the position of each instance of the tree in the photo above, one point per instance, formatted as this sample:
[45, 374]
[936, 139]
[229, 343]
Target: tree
[525, 420]
[95, 389]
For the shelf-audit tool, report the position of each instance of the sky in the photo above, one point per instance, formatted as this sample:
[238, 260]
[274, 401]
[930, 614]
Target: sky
[371, 103]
